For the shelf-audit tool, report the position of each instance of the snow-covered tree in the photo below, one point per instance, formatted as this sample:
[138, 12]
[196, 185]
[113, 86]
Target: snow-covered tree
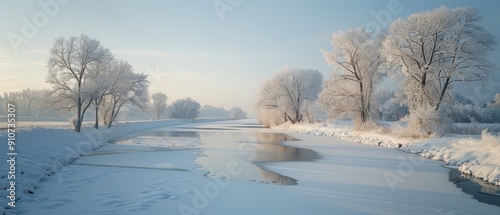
[237, 113]
[434, 49]
[99, 76]
[184, 109]
[125, 87]
[212, 111]
[159, 105]
[357, 61]
[282, 97]
[68, 71]
[392, 110]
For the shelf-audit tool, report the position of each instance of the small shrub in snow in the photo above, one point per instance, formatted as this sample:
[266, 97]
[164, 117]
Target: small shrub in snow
[424, 122]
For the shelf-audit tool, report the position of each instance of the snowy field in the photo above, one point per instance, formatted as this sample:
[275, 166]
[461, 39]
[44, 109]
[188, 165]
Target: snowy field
[43, 151]
[477, 155]
[230, 167]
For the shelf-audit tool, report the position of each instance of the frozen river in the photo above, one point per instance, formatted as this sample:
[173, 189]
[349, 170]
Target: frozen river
[237, 167]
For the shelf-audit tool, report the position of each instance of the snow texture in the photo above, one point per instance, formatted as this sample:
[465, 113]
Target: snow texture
[43, 151]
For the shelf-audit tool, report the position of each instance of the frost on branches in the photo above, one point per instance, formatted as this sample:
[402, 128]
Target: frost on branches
[357, 62]
[282, 97]
[82, 72]
[433, 50]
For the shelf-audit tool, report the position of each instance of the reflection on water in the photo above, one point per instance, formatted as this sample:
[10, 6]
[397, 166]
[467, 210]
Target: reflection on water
[176, 133]
[251, 150]
[480, 190]
[276, 178]
[247, 147]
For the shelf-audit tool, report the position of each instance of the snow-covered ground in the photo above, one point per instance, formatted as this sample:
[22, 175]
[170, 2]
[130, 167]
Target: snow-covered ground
[160, 172]
[477, 155]
[42, 152]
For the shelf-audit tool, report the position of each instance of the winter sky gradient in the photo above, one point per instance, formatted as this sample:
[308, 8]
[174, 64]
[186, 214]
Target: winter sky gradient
[191, 50]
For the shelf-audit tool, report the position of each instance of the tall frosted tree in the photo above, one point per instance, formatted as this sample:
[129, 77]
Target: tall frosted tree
[435, 49]
[124, 87]
[357, 61]
[100, 76]
[68, 66]
[432, 50]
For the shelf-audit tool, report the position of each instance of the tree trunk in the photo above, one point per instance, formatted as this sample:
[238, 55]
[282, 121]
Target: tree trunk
[79, 114]
[96, 125]
[297, 115]
[363, 103]
[114, 115]
[443, 91]
[82, 115]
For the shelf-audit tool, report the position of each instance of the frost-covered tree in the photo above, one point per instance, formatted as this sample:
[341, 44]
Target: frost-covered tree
[392, 110]
[357, 61]
[159, 105]
[99, 76]
[125, 87]
[237, 113]
[184, 109]
[68, 71]
[434, 49]
[212, 111]
[282, 97]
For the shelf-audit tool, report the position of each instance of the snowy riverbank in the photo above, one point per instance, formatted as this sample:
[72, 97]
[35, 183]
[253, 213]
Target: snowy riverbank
[477, 155]
[41, 152]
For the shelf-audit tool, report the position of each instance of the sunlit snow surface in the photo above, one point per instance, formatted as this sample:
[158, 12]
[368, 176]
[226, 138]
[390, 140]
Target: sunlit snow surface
[205, 172]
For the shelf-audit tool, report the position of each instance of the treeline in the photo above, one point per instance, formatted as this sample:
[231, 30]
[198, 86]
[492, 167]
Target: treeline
[427, 54]
[189, 109]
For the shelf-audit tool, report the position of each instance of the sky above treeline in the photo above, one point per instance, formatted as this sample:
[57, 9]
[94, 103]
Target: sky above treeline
[217, 52]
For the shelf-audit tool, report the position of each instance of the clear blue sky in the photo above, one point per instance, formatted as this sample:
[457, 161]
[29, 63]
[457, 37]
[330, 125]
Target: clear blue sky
[189, 51]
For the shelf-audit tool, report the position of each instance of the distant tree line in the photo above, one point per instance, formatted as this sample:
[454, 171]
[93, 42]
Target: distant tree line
[189, 109]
